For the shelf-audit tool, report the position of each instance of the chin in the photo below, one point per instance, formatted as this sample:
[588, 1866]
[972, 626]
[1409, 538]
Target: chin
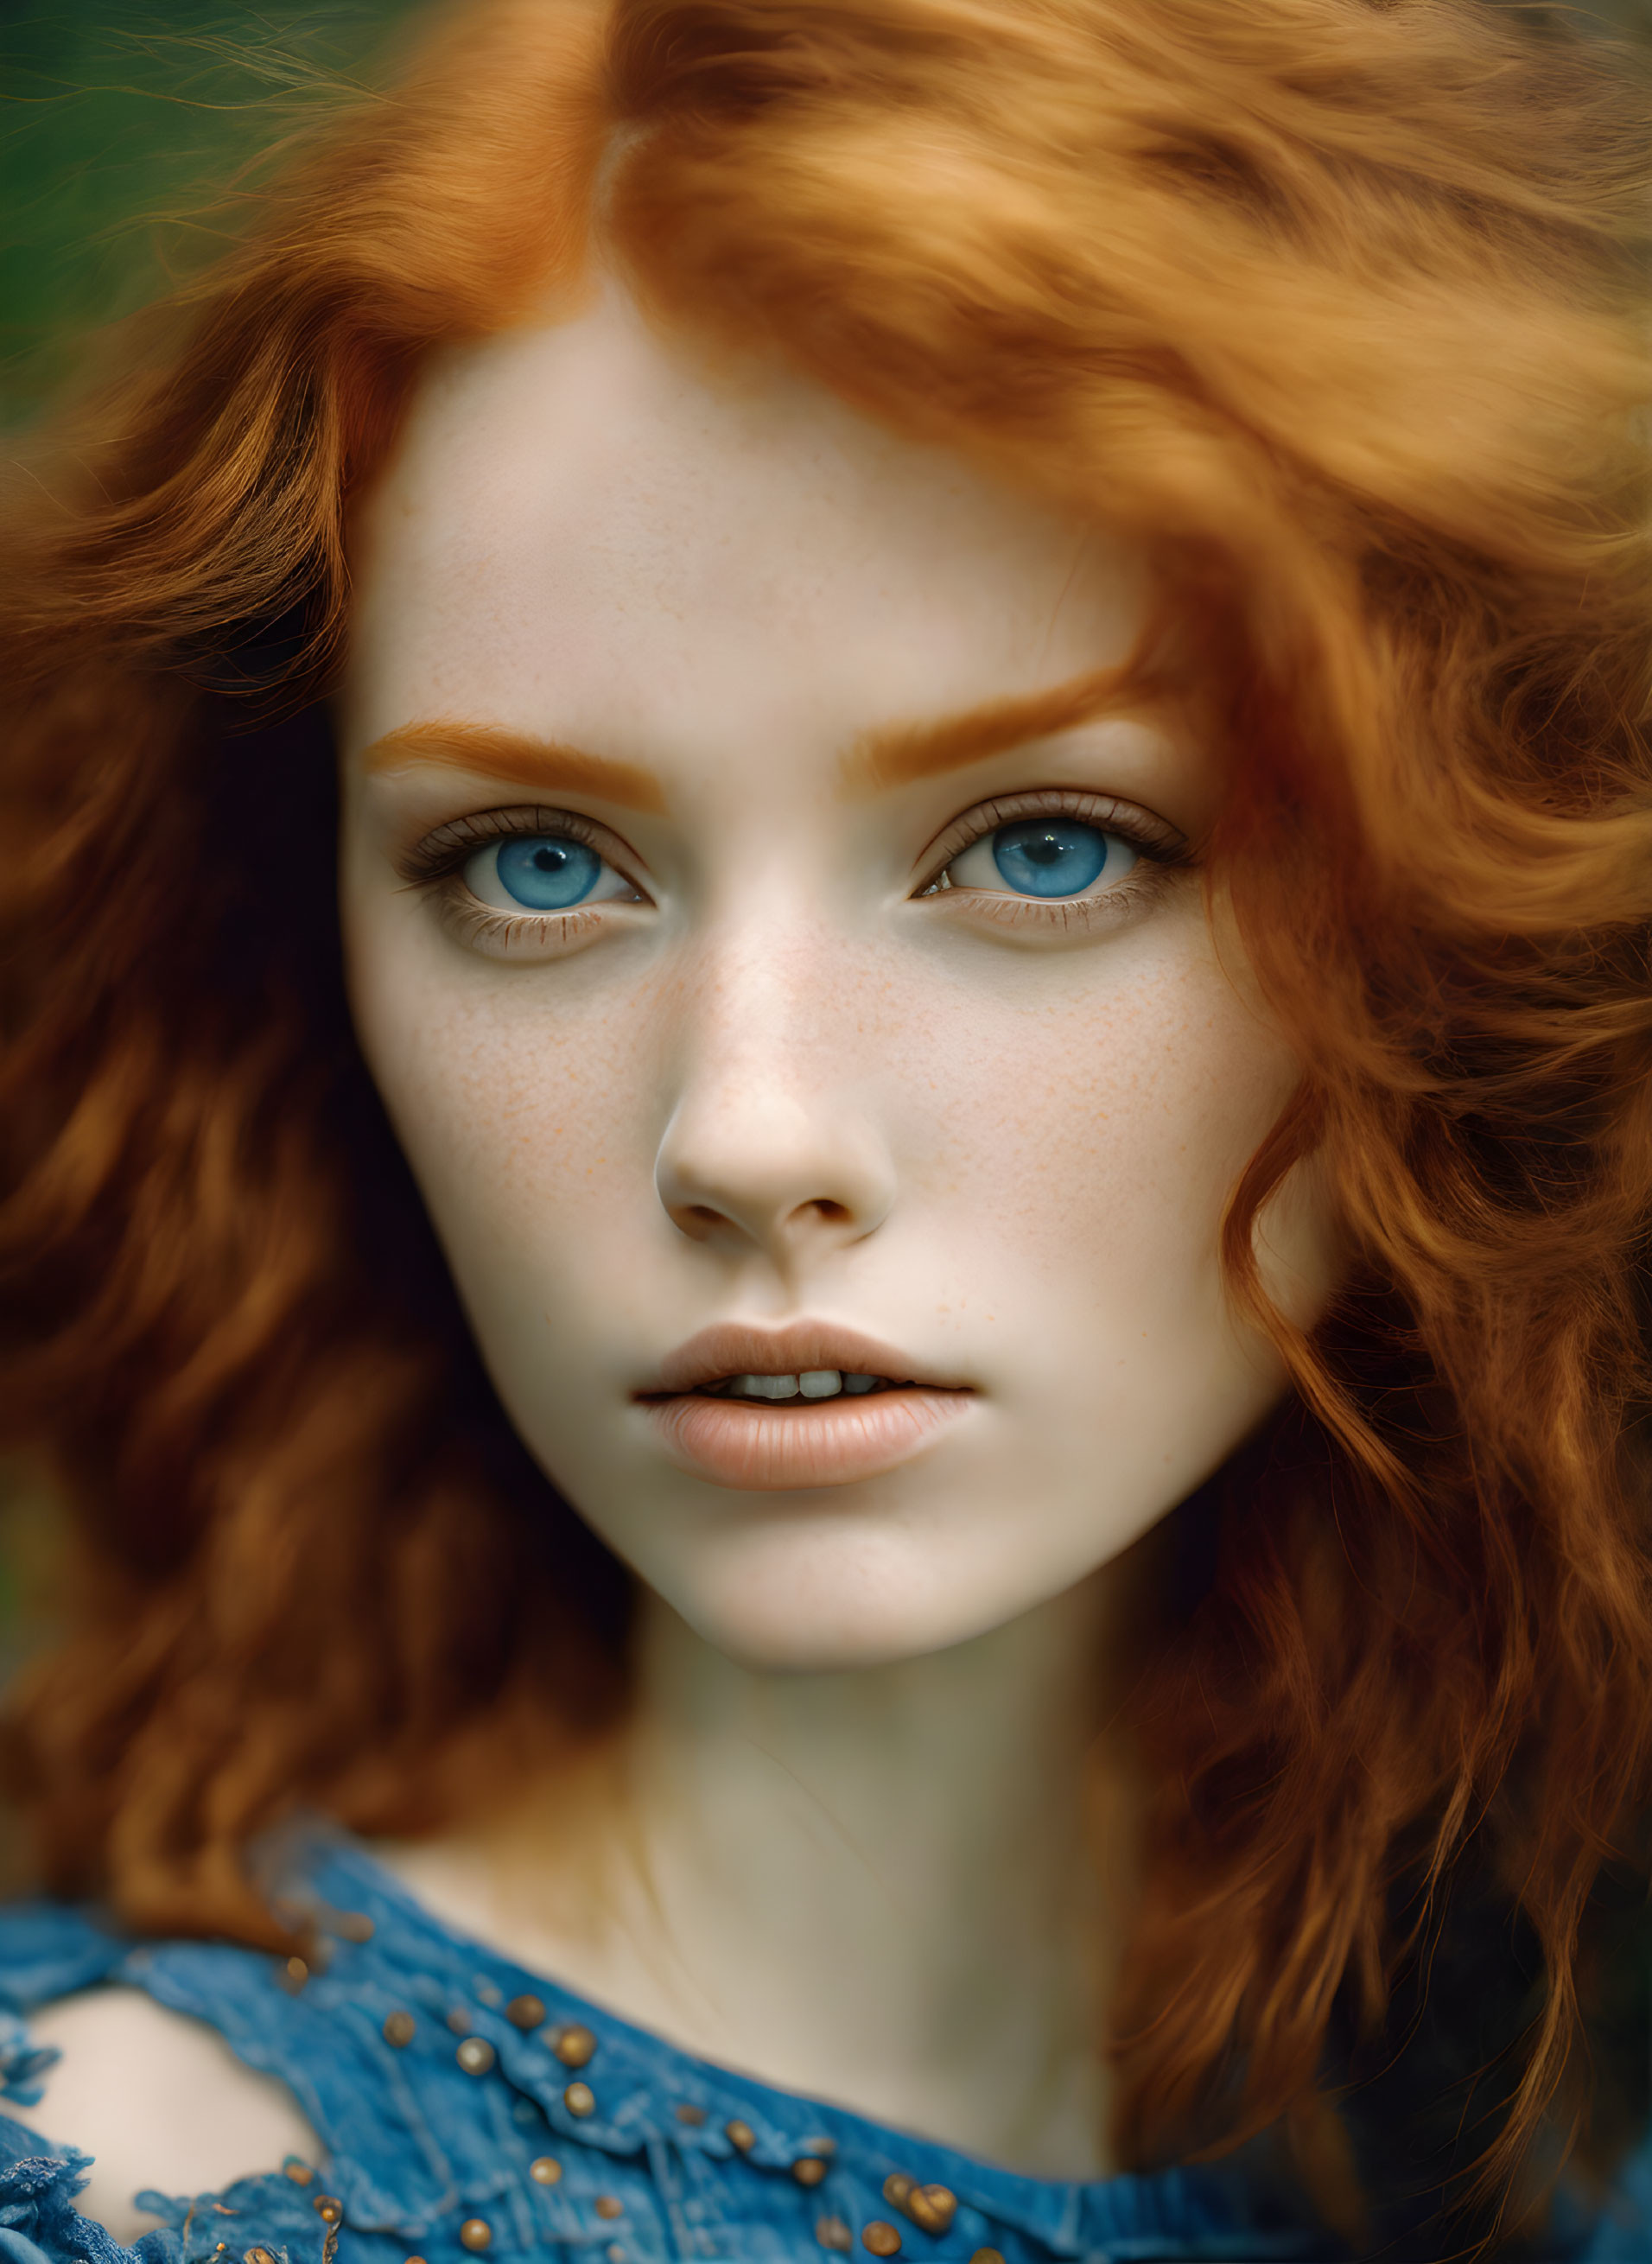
[840, 1603]
[830, 1646]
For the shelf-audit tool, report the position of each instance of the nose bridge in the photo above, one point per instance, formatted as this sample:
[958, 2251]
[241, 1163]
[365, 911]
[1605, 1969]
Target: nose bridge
[769, 1141]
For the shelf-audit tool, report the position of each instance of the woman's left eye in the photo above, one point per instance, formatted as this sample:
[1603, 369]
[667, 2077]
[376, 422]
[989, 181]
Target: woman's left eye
[542, 872]
[1043, 857]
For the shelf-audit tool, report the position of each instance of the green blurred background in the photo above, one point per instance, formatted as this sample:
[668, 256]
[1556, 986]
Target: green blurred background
[120, 125]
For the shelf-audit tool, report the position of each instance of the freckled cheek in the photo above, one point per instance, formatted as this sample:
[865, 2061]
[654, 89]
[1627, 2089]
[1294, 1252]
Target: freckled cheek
[519, 1120]
[1102, 1138]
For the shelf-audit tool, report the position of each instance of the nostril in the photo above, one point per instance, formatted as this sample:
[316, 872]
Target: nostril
[699, 1218]
[779, 1178]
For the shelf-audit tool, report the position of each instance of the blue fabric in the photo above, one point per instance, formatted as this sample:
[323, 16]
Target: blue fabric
[416, 2146]
[670, 2159]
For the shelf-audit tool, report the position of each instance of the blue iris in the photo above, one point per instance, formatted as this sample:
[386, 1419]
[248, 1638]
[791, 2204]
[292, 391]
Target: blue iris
[1049, 856]
[548, 873]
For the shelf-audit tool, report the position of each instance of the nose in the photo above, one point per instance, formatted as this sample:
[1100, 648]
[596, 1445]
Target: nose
[771, 1147]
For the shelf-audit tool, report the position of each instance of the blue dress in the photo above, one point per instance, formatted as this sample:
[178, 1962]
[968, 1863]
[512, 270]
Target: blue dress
[467, 2110]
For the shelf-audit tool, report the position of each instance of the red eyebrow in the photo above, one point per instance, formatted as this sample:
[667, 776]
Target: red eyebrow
[547, 764]
[896, 754]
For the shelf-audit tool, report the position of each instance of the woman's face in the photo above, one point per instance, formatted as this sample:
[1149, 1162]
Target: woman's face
[811, 1045]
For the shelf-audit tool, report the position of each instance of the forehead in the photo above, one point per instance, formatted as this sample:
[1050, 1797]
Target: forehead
[585, 528]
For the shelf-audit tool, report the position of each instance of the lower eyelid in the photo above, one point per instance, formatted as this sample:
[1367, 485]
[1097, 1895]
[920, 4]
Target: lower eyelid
[506, 935]
[1145, 880]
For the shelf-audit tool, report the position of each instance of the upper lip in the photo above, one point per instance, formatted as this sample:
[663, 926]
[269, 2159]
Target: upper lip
[738, 1348]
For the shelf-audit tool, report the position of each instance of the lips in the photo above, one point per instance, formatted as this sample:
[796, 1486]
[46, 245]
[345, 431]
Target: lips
[806, 1441]
[731, 1348]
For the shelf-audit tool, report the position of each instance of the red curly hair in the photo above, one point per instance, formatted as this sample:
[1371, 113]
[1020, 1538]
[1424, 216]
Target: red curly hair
[1337, 306]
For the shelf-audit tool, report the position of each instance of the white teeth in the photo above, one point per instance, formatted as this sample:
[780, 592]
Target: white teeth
[810, 1384]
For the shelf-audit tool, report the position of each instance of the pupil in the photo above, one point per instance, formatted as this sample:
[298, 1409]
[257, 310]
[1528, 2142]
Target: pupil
[547, 874]
[1043, 857]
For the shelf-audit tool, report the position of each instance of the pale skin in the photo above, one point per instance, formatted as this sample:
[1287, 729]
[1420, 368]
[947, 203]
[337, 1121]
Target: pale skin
[806, 1061]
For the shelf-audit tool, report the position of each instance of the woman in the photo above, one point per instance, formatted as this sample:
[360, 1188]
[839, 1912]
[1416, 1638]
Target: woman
[870, 1476]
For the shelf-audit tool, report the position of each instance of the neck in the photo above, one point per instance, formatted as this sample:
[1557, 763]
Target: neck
[875, 1887]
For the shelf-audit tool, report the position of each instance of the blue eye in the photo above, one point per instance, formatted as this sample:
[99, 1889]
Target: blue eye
[546, 873]
[1048, 857]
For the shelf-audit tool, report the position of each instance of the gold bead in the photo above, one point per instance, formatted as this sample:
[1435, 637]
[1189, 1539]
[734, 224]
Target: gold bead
[832, 2232]
[740, 2135]
[580, 2099]
[475, 2233]
[575, 2046]
[475, 2055]
[687, 2113]
[896, 2187]
[327, 2207]
[293, 1974]
[808, 2169]
[352, 1925]
[524, 2011]
[880, 2239]
[607, 2207]
[257, 2256]
[415, 2259]
[300, 2173]
[399, 2030]
[546, 2171]
[931, 2208]
[988, 2256]
[458, 2021]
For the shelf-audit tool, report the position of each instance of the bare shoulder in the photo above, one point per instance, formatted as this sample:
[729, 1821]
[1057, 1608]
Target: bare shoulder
[158, 2099]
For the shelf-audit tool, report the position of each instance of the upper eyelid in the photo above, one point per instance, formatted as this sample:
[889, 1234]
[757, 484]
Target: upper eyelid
[1155, 836]
[445, 847]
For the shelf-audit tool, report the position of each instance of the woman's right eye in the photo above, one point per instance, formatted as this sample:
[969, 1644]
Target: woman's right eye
[543, 873]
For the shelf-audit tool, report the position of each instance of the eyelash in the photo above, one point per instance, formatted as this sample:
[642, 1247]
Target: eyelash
[434, 864]
[1159, 848]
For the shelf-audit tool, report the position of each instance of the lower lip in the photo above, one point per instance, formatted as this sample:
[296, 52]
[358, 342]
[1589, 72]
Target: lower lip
[833, 1442]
